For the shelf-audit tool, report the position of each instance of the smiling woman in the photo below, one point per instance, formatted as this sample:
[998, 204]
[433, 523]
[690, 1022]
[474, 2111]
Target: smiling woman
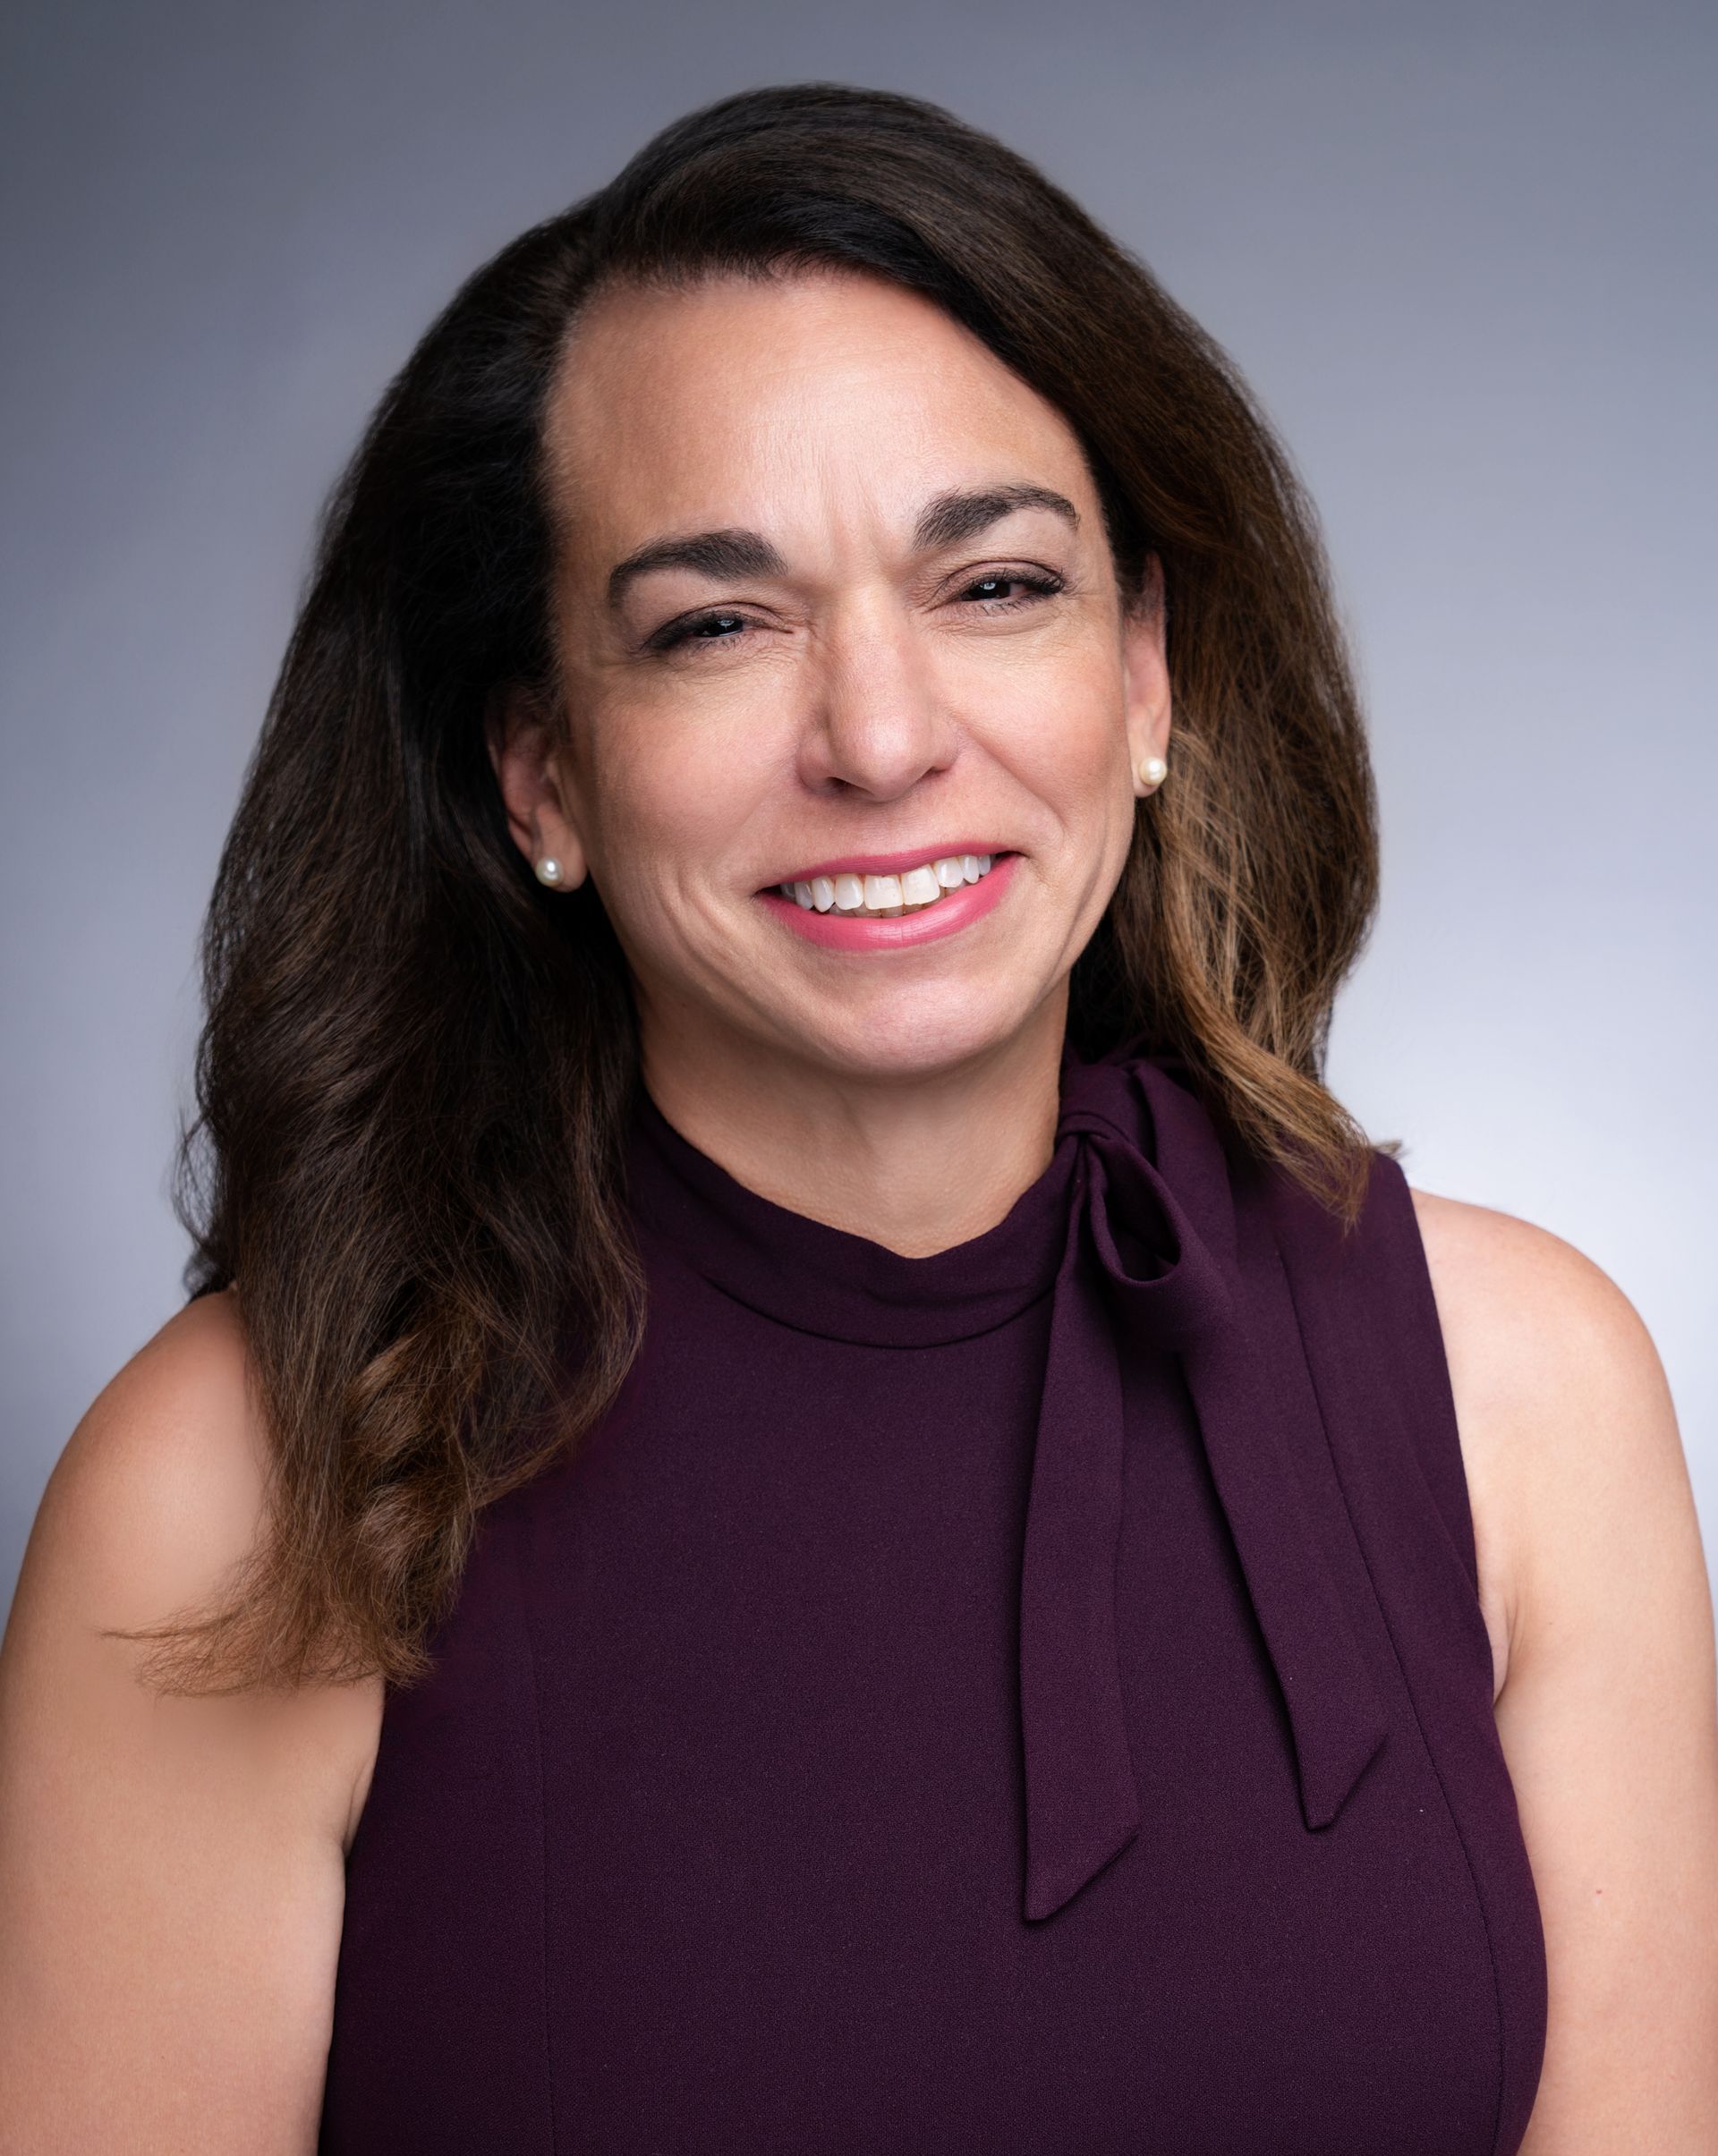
[814, 1493]
[872, 663]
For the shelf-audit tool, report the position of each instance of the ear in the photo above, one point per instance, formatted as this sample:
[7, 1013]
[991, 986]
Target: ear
[1145, 669]
[525, 755]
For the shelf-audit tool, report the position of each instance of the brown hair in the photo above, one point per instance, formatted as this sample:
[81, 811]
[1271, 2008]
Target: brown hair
[414, 1078]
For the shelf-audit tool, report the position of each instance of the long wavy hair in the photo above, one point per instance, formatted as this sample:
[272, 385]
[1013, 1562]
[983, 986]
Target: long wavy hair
[412, 1081]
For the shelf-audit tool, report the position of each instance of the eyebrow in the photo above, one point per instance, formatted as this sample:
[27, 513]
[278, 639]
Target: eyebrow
[946, 520]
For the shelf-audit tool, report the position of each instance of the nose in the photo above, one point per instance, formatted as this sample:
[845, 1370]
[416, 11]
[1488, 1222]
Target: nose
[876, 724]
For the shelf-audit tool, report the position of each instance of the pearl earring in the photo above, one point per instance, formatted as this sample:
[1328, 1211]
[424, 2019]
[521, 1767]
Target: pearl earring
[1152, 772]
[548, 870]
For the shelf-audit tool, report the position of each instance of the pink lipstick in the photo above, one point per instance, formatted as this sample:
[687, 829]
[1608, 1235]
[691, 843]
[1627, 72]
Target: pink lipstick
[944, 916]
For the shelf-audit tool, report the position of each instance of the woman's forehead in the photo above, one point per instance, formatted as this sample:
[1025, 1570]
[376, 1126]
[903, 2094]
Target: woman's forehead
[742, 402]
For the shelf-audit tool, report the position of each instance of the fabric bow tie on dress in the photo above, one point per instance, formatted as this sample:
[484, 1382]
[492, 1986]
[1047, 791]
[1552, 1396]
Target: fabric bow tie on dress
[1137, 1275]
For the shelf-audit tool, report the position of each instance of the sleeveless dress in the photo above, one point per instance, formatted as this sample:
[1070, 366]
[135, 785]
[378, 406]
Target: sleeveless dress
[1029, 1699]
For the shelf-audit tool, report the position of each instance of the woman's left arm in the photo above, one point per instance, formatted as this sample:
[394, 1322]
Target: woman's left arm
[1592, 1567]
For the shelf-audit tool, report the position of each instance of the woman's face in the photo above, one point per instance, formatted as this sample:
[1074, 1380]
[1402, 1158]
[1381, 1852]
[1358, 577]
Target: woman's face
[834, 603]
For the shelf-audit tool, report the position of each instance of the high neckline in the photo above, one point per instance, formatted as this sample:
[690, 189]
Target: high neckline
[1134, 1231]
[818, 1279]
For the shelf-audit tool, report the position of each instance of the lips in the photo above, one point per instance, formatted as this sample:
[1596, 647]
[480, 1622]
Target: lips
[896, 928]
[887, 864]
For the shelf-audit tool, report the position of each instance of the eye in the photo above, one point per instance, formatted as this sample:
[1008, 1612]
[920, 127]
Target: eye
[724, 627]
[1038, 584]
[717, 627]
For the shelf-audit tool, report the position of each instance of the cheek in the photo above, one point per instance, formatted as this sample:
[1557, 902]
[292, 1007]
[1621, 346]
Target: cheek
[1064, 734]
[671, 798]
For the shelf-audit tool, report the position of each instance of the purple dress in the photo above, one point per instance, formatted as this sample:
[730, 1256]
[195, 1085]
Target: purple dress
[1031, 1700]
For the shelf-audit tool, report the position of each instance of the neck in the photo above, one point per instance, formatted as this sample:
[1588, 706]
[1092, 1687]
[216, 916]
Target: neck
[917, 1162]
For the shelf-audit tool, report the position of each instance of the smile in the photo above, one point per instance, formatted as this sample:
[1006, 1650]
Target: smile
[885, 898]
[891, 909]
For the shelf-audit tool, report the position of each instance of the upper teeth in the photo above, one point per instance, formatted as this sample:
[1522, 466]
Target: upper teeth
[903, 894]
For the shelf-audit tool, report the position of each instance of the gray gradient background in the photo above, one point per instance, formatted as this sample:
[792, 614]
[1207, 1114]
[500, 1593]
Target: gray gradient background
[1462, 253]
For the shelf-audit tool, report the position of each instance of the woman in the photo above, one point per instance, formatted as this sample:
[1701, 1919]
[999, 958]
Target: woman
[814, 1495]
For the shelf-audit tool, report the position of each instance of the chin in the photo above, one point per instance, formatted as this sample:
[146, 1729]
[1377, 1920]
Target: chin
[915, 1033]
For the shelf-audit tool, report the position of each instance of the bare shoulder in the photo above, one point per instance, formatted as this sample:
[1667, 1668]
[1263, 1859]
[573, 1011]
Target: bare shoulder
[1560, 1394]
[171, 1868]
[161, 1488]
[1607, 1709]
[1523, 1309]
[159, 1496]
